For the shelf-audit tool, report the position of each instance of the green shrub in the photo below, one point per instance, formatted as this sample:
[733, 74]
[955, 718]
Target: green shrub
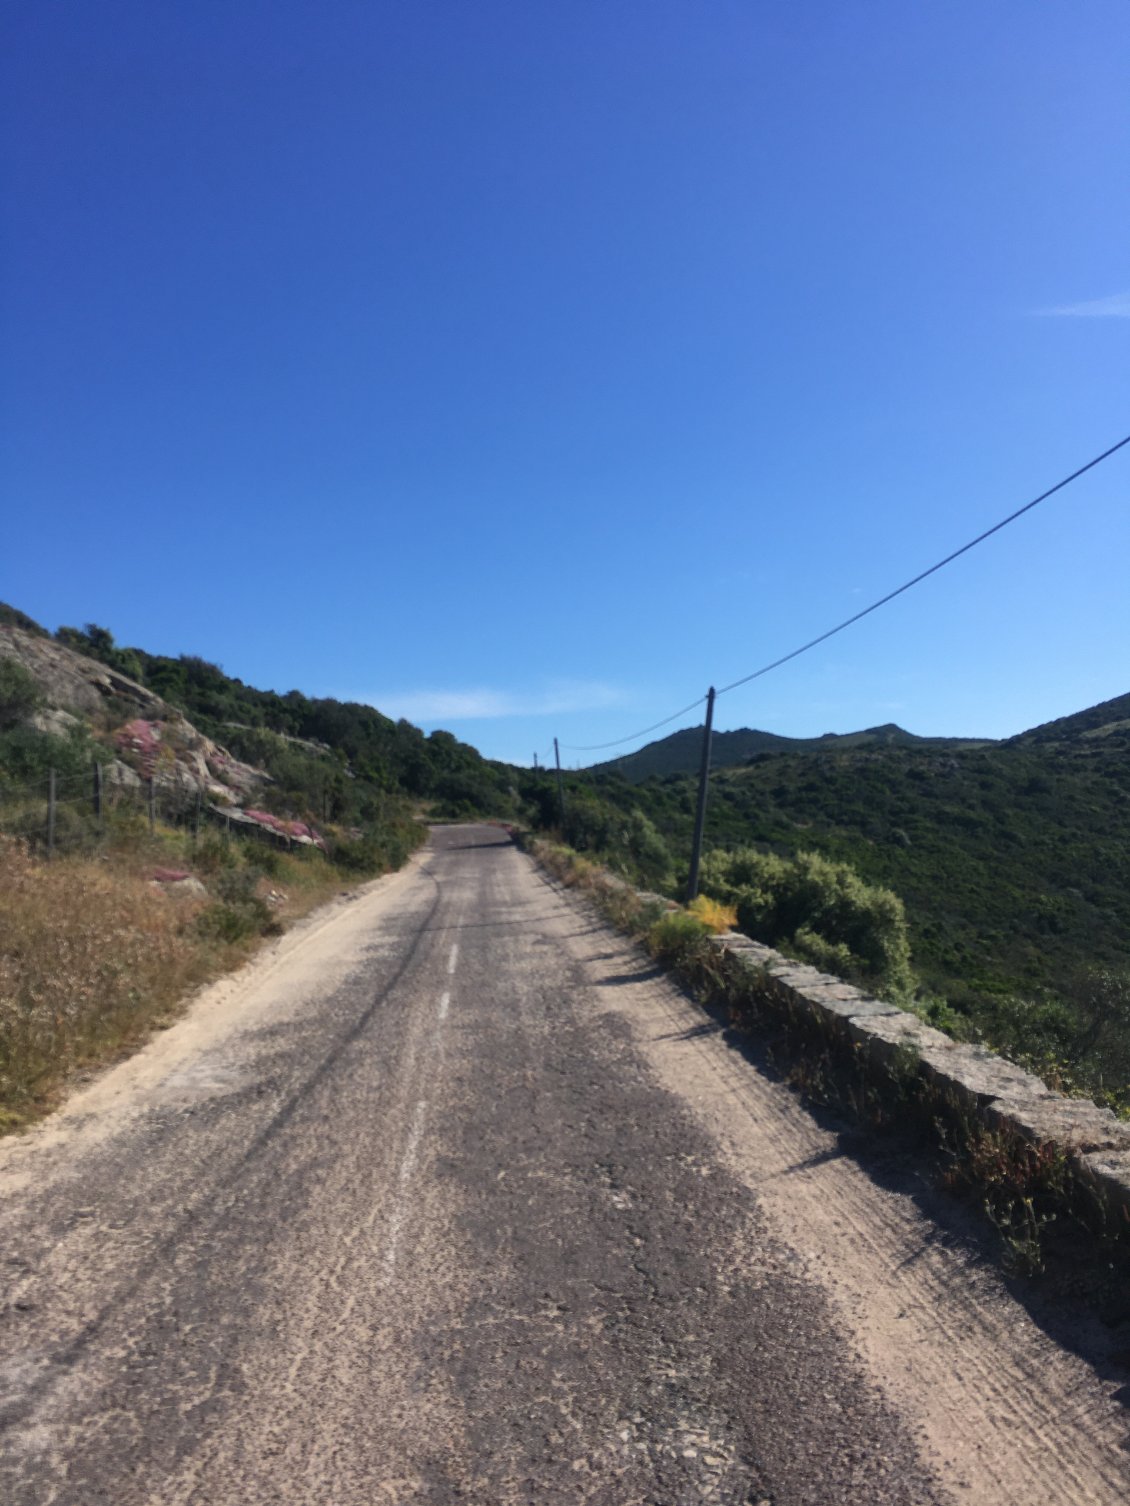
[237, 912]
[27, 755]
[822, 910]
[648, 856]
[235, 921]
[677, 936]
[19, 694]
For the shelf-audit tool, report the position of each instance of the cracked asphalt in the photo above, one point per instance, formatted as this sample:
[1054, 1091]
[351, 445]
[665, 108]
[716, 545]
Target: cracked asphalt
[409, 1217]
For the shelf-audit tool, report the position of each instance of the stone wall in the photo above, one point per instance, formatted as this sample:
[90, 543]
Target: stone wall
[1004, 1096]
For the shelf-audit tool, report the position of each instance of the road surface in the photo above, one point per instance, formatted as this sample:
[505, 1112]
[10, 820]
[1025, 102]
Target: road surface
[451, 1198]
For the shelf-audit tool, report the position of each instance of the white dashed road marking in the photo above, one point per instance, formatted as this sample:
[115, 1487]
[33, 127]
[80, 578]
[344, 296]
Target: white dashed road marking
[407, 1166]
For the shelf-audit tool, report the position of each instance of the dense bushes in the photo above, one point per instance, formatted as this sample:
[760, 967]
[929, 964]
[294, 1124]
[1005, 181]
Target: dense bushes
[822, 911]
[19, 695]
[627, 841]
[27, 755]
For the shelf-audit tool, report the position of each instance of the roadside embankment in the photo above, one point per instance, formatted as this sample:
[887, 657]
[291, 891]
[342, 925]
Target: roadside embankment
[999, 1135]
[97, 951]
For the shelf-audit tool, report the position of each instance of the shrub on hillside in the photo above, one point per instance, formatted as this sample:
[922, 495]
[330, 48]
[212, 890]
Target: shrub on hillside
[19, 694]
[644, 853]
[823, 911]
[27, 755]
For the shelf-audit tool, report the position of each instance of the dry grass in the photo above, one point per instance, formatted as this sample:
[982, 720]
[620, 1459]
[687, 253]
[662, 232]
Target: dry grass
[714, 915]
[94, 956]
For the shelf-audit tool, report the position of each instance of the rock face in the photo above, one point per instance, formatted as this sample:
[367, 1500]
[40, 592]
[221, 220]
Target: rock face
[152, 739]
[69, 681]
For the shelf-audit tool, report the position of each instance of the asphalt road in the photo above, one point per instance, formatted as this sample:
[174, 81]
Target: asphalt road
[411, 1215]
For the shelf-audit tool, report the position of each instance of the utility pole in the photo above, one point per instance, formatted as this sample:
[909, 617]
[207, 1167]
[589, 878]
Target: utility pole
[51, 813]
[560, 785]
[700, 810]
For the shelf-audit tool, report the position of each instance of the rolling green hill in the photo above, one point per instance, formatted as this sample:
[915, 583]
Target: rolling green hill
[1013, 858]
[682, 751]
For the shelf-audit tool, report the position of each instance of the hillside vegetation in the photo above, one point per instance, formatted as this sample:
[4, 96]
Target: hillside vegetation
[325, 760]
[224, 813]
[681, 752]
[1012, 861]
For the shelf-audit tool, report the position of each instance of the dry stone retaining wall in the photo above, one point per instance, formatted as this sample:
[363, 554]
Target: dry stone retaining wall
[1001, 1094]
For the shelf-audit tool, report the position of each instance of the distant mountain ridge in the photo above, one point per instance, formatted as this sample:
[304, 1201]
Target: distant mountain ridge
[680, 753]
[1097, 721]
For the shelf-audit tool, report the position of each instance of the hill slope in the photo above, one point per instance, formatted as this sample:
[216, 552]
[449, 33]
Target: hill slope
[197, 729]
[1013, 858]
[682, 751]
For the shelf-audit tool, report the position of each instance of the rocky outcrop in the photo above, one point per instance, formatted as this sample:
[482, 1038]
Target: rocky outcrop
[152, 739]
[72, 682]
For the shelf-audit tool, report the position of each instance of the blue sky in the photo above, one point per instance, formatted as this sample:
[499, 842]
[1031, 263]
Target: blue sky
[521, 368]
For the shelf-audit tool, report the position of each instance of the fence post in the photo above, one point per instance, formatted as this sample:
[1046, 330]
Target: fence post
[51, 814]
[560, 786]
[700, 809]
[152, 804]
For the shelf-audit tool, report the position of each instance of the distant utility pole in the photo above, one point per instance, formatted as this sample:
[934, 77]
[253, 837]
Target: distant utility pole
[700, 810]
[560, 785]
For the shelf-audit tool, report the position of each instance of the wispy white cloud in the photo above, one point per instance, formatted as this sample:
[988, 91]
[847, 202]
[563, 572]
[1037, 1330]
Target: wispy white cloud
[1117, 306]
[481, 702]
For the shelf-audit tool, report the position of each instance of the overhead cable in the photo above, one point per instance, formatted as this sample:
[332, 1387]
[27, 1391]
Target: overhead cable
[856, 617]
[631, 737]
[890, 596]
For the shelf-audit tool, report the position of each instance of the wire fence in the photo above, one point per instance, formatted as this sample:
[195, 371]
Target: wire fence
[70, 812]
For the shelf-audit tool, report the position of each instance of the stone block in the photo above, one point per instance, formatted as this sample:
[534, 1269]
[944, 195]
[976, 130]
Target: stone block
[850, 1005]
[1076, 1124]
[975, 1074]
[889, 1035]
[1109, 1172]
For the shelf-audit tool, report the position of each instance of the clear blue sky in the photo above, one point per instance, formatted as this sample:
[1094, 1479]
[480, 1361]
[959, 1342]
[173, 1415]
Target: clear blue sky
[523, 367]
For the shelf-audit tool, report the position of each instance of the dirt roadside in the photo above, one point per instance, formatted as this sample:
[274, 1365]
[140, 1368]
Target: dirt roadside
[277, 979]
[1004, 1412]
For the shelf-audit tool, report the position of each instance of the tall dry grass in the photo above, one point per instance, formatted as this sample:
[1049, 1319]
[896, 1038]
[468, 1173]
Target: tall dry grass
[94, 956]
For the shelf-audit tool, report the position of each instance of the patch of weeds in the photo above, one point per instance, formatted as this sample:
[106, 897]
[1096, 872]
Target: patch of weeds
[677, 937]
[714, 915]
[1020, 1186]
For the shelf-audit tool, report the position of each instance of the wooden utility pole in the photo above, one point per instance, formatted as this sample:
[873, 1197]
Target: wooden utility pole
[51, 814]
[560, 785]
[700, 809]
[99, 797]
[152, 804]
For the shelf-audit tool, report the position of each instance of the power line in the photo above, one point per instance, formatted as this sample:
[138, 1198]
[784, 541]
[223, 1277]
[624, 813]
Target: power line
[856, 617]
[890, 596]
[615, 743]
